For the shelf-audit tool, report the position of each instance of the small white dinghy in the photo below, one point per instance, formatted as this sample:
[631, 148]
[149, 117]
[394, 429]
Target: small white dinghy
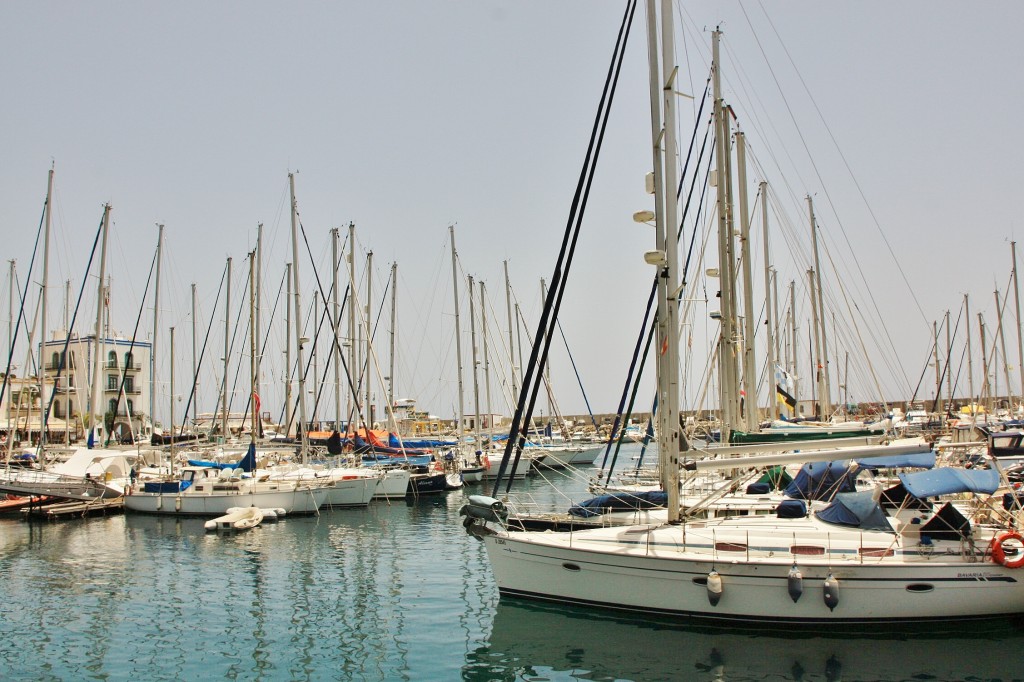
[268, 514]
[237, 518]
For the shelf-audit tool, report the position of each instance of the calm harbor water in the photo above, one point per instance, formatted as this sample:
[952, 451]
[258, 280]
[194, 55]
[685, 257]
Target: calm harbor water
[393, 592]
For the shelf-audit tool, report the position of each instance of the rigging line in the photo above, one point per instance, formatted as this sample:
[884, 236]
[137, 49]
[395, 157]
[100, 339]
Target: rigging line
[846, 163]
[335, 346]
[682, 221]
[524, 411]
[942, 376]
[21, 306]
[824, 186]
[131, 348]
[885, 328]
[636, 387]
[629, 374]
[243, 305]
[202, 354]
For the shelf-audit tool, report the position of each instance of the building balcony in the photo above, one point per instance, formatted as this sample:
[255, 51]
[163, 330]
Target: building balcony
[55, 367]
[132, 368]
[127, 391]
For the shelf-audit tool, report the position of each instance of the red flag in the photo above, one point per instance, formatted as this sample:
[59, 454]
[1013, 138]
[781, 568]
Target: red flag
[256, 402]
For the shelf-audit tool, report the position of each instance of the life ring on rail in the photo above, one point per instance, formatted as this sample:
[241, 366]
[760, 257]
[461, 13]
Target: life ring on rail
[999, 555]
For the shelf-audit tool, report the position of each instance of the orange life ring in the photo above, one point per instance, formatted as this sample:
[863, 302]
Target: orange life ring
[999, 555]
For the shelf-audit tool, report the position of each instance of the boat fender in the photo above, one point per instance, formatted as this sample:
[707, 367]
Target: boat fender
[831, 592]
[177, 504]
[796, 583]
[714, 588]
[999, 553]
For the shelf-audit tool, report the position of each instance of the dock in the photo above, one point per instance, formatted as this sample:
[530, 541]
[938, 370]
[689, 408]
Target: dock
[74, 509]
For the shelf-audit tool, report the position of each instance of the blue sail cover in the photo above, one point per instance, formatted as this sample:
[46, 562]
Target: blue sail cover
[394, 442]
[913, 460]
[856, 510]
[822, 480]
[948, 480]
[651, 499]
[247, 463]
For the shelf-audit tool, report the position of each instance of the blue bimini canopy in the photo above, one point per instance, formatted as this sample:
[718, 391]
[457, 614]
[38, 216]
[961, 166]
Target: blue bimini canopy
[913, 460]
[948, 480]
[822, 480]
[856, 510]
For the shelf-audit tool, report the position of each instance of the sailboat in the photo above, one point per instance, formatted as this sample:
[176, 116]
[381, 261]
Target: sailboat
[866, 559]
[204, 490]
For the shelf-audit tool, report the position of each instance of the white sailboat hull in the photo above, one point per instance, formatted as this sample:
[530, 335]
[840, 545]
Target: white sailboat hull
[558, 456]
[294, 500]
[493, 464]
[633, 570]
[392, 484]
[356, 491]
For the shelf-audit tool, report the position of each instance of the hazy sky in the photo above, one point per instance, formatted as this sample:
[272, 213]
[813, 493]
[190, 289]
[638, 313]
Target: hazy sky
[407, 117]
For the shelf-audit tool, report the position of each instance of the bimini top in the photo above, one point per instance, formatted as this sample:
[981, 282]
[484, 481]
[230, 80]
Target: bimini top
[913, 460]
[948, 480]
[856, 510]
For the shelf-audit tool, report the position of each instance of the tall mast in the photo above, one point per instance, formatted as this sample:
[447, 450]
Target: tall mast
[171, 417]
[156, 321]
[970, 357]
[749, 368]
[96, 410]
[253, 348]
[336, 317]
[547, 366]
[369, 337]
[352, 310]
[726, 347]
[1016, 305]
[227, 334]
[773, 403]
[519, 342]
[487, 361]
[195, 365]
[458, 333]
[949, 374]
[824, 391]
[289, 417]
[938, 367]
[511, 327]
[1002, 347]
[476, 383]
[985, 388]
[313, 353]
[42, 314]
[10, 309]
[298, 321]
[256, 317]
[394, 322]
[818, 359]
[67, 363]
[793, 345]
[666, 255]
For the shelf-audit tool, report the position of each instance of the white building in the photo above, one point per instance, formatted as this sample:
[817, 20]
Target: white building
[124, 376]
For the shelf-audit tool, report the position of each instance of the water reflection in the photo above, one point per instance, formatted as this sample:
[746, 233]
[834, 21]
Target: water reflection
[531, 641]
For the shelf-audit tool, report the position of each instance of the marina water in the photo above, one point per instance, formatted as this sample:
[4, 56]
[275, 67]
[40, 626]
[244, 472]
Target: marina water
[391, 592]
